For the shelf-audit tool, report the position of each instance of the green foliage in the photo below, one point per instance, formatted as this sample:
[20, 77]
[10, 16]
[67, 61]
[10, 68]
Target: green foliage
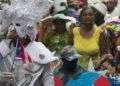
[54, 41]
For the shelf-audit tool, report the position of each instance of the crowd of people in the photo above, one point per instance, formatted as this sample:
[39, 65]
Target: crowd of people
[44, 41]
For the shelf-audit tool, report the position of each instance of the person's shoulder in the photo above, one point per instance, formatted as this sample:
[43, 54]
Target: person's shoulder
[76, 28]
[71, 27]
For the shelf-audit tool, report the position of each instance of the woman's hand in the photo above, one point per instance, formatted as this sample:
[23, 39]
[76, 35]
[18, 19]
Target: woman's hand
[107, 56]
[104, 58]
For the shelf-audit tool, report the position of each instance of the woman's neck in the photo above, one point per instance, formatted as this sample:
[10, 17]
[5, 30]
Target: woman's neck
[87, 27]
[86, 31]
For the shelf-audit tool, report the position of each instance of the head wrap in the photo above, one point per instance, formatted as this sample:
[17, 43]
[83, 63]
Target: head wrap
[100, 7]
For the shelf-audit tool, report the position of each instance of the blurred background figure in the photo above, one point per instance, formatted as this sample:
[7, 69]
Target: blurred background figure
[113, 7]
[60, 6]
[80, 3]
[100, 12]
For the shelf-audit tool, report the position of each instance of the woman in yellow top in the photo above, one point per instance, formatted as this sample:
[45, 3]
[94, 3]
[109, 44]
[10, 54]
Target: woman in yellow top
[86, 37]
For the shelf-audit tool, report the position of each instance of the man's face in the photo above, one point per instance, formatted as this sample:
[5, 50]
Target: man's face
[59, 25]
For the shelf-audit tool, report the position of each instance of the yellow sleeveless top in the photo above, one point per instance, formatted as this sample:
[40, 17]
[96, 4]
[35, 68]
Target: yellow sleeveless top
[86, 45]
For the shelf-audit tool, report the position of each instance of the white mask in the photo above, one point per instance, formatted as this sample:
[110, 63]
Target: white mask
[24, 15]
[24, 27]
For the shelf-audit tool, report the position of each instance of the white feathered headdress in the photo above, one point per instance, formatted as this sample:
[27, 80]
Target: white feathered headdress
[23, 15]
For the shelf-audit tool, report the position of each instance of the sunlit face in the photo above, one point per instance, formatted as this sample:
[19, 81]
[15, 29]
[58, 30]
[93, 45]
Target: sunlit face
[88, 16]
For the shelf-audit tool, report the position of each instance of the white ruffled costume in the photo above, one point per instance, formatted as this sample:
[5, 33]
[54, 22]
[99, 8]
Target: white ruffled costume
[22, 16]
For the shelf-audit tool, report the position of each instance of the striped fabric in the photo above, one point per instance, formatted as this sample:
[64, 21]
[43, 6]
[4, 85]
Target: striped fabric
[114, 81]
